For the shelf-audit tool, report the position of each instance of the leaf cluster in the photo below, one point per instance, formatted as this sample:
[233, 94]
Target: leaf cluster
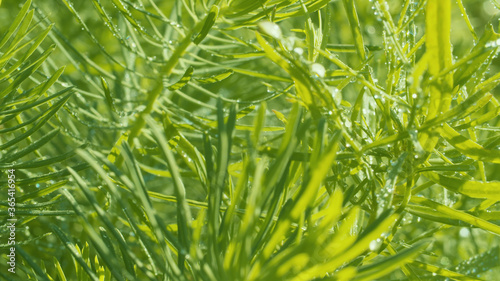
[251, 140]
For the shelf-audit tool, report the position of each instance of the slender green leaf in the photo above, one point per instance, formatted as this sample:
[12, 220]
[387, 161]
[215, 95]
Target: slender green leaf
[52, 110]
[450, 213]
[468, 147]
[215, 78]
[474, 189]
[16, 22]
[387, 265]
[42, 275]
[207, 25]
[32, 147]
[74, 252]
[183, 81]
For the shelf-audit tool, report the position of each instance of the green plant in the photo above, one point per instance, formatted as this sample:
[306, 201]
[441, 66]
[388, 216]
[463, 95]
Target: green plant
[251, 140]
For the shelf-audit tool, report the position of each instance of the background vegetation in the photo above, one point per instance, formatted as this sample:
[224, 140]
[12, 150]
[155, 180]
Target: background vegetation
[251, 140]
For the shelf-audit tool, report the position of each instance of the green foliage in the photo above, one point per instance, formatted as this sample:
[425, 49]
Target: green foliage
[251, 140]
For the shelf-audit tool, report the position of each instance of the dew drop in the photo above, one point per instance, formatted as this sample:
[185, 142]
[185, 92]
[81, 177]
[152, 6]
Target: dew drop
[298, 50]
[270, 28]
[318, 69]
[375, 244]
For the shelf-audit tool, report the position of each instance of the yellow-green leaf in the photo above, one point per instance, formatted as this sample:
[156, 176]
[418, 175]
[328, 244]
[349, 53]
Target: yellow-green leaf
[438, 52]
[450, 213]
[183, 81]
[215, 78]
[115, 151]
[468, 147]
[209, 22]
[474, 189]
